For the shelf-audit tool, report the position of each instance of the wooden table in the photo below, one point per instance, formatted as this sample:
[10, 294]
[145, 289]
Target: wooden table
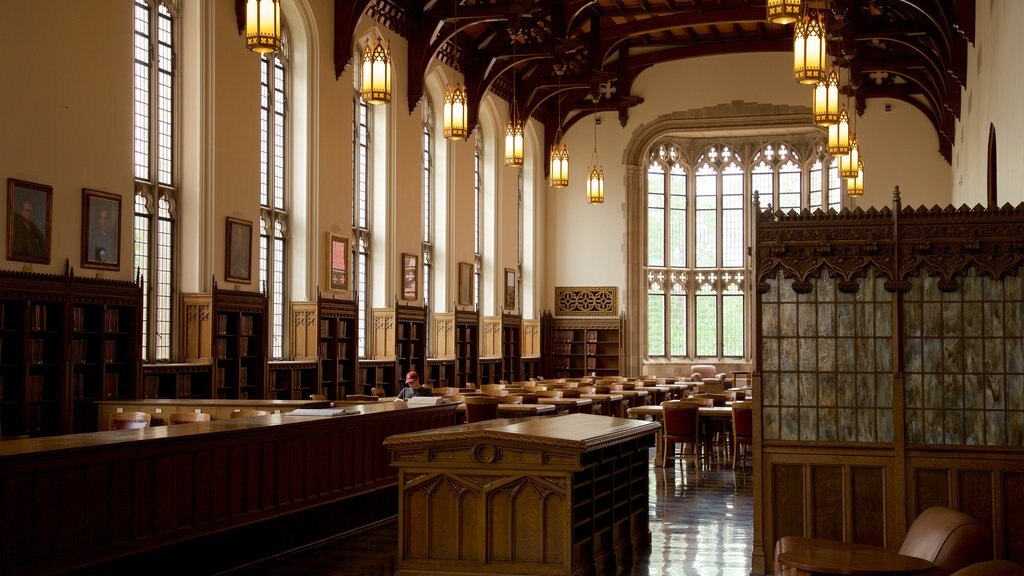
[607, 404]
[572, 405]
[517, 410]
[657, 413]
[833, 557]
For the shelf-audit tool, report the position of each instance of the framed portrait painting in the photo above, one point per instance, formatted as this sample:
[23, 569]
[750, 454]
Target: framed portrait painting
[28, 221]
[101, 230]
[238, 256]
[465, 284]
[337, 262]
[410, 276]
[510, 289]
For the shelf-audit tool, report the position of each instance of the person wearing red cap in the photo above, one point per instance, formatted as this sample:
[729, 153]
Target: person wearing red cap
[412, 384]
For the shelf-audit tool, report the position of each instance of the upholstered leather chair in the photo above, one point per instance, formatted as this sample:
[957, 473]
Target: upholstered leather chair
[945, 537]
[742, 430]
[991, 568]
[130, 420]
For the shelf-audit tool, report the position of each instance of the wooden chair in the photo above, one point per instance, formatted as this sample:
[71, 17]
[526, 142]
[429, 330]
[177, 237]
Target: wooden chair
[992, 568]
[317, 397]
[742, 430]
[480, 408]
[378, 391]
[190, 417]
[130, 420]
[514, 399]
[361, 398]
[680, 425]
[248, 413]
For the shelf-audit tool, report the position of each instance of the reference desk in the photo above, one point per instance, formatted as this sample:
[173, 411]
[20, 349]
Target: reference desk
[229, 491]
[563, 495]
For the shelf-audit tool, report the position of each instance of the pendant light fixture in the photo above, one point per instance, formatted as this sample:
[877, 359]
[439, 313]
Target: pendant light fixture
[514, 128]
[783, 11]
[839, 135]
[826, 100]
[855, 186]
[559, 153]
[849, 163]
[809, 53]
[595, 174]
[263, 25]
[455, 119]
[376, 72]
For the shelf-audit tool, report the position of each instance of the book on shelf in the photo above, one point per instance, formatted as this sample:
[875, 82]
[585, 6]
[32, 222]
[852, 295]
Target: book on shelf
[78, 348]
[35, 389]
[110, 351]
[38, 317]
[222, 324]
[325, 327]
[220, 348]
[36, 348]
[78, 319]
[110, 381]
[591, 335]
[245, 325]
[111, 320]
[591, 348]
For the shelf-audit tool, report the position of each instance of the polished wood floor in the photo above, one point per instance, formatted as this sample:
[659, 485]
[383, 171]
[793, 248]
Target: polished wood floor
[702, 523]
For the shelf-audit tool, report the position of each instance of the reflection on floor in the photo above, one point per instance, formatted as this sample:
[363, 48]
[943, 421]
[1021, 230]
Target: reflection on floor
[702, 524]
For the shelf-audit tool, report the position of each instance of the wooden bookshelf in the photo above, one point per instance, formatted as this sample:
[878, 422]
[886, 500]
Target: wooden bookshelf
[177, 381]
[410, 340]
[292, 379]
[511, 348]
[579, 347]
[239, 344]
[339, 349]
[440, 373]
[467, 348]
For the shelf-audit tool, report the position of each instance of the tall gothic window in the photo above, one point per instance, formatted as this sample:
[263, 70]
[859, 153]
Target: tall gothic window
[478, 261]
[360, 214]
[273, 193]
[155, 171]
[428, 205]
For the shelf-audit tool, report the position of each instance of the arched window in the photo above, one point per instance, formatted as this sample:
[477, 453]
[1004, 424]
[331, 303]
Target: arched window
[477, 252]
[156, 188]
[361, 210]
[273, 192]
[428, 203]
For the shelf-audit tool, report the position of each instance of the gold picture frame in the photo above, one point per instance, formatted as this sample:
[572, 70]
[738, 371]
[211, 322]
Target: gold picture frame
[410, 275]
[337, 262]
[238, 250]
[510, 289]
[465, 284]
[29, 207]
[101, 230]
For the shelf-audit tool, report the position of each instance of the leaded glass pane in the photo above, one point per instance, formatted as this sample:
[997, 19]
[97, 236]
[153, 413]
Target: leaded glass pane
[815, 186]
[655, 321]
[677, 241]
[706, 217]
[789, 187]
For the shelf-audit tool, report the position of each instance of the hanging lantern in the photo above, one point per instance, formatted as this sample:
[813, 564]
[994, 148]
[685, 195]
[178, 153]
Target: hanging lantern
[849, 163]
[514, 138]
[809, 53]
[826, 100]
[377, 72]
[783, 11]
[456, 110]
[855, 186]
[839, 135]
[595, 185]
[559, 165]
[263, 25]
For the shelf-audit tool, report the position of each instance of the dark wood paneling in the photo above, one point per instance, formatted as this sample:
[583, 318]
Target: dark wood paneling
[827, 502]
[1013, 516]
[976, 499]
[868, 523]
[788, 500]
[931, 489]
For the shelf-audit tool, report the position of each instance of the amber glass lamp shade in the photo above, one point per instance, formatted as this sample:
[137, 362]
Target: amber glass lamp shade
[376, 88]
[826, 100]
[783, 11]
[514, 138]
[849, 163]
[456, 113]
[263, 25]
[595, 185]
[839, 135]
[855, 186]
[559, 166]
[809, 53]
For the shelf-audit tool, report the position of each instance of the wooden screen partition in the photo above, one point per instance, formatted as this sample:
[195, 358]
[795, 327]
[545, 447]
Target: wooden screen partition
[889, 373]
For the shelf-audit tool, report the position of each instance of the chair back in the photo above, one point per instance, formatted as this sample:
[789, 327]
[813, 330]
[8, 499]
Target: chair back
[705, 370]
[317, 397]
[513, 399]
[992, 568]
[554, 393]
[130, 420]
[680, 420]
[480, 408]
[530, 397]
[190, 417]
[361, 398]
[378, 391]
[743, 422]
[248, 413]
[705, 399]
[945, 537]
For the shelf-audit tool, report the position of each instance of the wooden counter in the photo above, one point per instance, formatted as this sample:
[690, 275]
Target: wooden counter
[229, 491]
[161, 409]
[563, 495]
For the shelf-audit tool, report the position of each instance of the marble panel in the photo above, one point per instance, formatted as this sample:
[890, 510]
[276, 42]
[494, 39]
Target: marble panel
[992, 290]
[932, 390]
[787, 320]
[912, 354]
[929, 289]
[770, 422]
[847, 389]
[995, 428]
[826, 354]
[913, 391]
[865, 390]
[953, 354]
[786, 293]
[953, 427]
[826, 288]
[933, 427]
[1015, 391]
[770, 354]
[973, 355]
[769, 320]
[915, 292]
[808, 354]
[809, 424]
[828, 424]
[952, 321]
[994, 355]
[789, 393]
[974, 427]
[827, 389]
[866, 320]
[953, 391]
[845, 322]
[847, 425]
[993, 319]
[931, 360]
[995, 391]
[974, 391]
[1014, 319]
[883, 319]
[973, 319]
[1015, 429]
[846, 357]
[772, 294]
[883, 389]
[883, 354]
[826, 319]
[787, 354]
[866, 425]
[808, 389]
[1014, 285]
[912, 319]
[1014, 355]
[869, 288]
[931, 316]
[788, 424]
[971, 287]
[885, 432]
[807, 322]
[914, 421]
[770, 388]
[866, 354]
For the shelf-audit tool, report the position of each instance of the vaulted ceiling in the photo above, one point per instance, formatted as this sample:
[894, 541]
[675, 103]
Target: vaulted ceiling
[568, 51]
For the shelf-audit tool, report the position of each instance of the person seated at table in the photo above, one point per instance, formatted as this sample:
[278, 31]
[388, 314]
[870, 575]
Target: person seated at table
[412, 387]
